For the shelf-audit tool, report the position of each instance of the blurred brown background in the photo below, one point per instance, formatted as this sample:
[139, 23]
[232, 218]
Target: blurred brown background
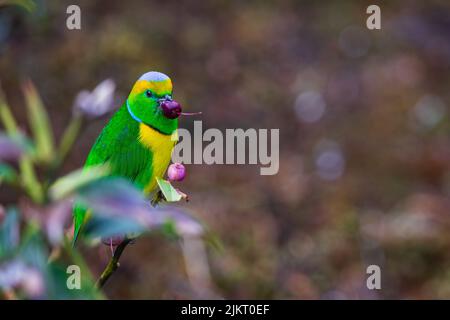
[364, 136]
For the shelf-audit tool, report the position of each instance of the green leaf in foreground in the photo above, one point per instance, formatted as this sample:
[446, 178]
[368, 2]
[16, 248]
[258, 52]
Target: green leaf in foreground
[9, 233]
[6, 116]
[28, 5]
[70, 183]
[39, 123]
[7, 173]
[108, 226]
[29, 179]
[169, 192]
[118, 207]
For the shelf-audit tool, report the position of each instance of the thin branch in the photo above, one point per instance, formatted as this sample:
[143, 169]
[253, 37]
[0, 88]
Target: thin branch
[113, 264]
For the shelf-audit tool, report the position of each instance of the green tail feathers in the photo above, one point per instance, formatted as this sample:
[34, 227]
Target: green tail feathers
[79, 216]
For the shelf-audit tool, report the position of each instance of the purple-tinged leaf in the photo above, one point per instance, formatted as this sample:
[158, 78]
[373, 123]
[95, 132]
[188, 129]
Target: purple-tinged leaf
[17, 275]
[9, 232]
[118, 200]
[56, 219]
[9, 149]
[69, 184]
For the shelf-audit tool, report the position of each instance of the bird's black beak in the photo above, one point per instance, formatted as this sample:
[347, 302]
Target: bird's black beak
[166, 98]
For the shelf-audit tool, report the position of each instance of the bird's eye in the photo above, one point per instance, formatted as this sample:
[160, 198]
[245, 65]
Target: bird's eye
[148, 93]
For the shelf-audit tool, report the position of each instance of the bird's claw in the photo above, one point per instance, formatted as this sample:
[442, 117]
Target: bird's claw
[157, 198]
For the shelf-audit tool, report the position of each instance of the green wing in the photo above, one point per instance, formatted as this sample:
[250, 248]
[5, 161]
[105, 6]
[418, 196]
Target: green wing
[118, 145]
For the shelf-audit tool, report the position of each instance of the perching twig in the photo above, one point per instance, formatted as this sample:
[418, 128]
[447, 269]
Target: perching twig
[113, 264]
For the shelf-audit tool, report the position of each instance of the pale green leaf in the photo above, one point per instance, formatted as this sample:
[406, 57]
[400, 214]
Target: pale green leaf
[168, 190]
[40, 124]
[6, 116]
[29, 179]
[68, 184]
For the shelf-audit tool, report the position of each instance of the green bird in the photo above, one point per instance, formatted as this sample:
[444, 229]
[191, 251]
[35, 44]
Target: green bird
[138, 141]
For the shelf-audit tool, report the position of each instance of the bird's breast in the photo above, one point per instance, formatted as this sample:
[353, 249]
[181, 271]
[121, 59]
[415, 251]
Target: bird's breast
[161, 146]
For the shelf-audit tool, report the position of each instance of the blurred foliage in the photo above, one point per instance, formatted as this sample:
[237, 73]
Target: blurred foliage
[364, 151]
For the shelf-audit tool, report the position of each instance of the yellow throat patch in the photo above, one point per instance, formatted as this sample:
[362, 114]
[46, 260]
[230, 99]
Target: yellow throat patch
[161, 146]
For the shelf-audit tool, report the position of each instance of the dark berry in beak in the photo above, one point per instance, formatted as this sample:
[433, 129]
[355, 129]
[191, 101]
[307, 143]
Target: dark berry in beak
[171, 109]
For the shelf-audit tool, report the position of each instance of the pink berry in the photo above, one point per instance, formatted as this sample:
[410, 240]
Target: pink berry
[176, 172]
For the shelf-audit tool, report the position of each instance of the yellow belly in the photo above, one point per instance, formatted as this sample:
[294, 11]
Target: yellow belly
[161, 146]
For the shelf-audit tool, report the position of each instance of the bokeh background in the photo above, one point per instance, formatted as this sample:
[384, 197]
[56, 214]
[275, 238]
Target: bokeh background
[364, 137]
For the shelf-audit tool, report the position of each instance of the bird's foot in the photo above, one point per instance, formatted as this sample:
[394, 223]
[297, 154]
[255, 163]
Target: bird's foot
[159, 196]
